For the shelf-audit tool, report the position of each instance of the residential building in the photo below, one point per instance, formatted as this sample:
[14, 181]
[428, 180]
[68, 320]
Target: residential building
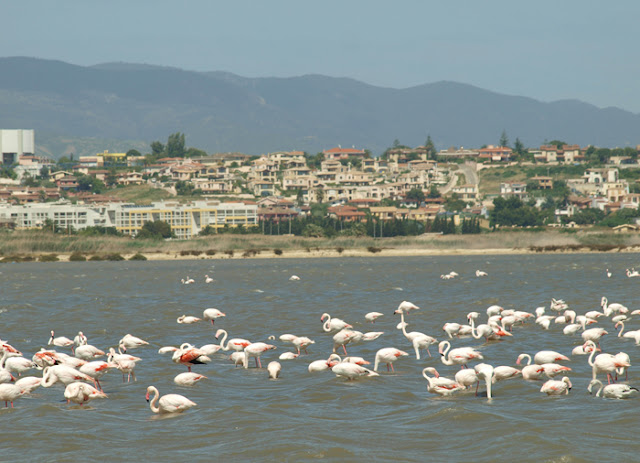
[514, 188]
[495, 153]
[343, 153]
[15, 143]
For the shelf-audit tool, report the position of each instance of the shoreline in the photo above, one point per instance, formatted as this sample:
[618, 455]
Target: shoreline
[352, 253]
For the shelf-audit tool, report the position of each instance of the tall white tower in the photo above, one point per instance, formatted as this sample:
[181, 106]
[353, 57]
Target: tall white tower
[15, 143]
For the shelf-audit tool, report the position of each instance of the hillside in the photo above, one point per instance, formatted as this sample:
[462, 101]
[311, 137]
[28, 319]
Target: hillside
[223, 112]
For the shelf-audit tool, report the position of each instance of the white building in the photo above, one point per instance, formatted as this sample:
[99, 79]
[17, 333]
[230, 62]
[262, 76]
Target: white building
[16, 143]
[186, 220]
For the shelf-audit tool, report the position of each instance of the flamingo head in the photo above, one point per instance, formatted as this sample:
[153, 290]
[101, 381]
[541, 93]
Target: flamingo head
[147, 396]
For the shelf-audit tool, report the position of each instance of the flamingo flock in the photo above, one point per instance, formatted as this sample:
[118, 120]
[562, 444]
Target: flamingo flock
[81, 372]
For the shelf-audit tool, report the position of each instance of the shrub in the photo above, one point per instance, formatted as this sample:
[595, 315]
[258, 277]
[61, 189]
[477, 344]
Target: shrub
[339, 249]
[373, 249]
[195, 253]
[48, 258]
[185, 253]
[211, 252]
[96, 258]
[114, 257]
[77, 257]
[138, 256]
[277, 252]
[229, 252]
[250, 253]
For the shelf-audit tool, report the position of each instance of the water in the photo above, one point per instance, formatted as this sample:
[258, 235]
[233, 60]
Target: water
[243, 416]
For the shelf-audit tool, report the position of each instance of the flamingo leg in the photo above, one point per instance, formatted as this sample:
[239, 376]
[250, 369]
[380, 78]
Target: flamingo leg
[477, 386]
[428, 352]
[123, 377]
[387, 367]
[189, 367]
[344, 348]
[392, 370]
[134, 376]
[259, 362]
[99, 385]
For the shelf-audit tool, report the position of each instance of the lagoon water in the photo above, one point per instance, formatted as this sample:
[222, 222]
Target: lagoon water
[243, 416]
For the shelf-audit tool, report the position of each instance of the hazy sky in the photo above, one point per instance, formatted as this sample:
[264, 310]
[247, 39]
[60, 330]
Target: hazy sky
[545, 49]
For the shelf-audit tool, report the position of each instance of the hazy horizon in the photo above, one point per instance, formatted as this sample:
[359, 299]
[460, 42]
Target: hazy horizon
[548, 51]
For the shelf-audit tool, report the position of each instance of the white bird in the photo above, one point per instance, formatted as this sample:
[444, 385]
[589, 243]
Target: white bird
[169, 403]
[406, 307]
[294, 278]
[212, 314]
[288, 356]
[613, 391]
[82, 393]
[388, 355]
[372, 316]
[274, 369]
[60, 341]
[351, 370]
[480, 273]
[88, 352]
[554, 387]
[188, 378]
[608, 274]
[131, 342]
[459, 356]
[208, 279]
[333, 324]
[439, 385]
[188, 319]
[80, 339]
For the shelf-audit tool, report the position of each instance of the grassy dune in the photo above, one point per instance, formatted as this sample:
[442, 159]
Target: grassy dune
[34, 244]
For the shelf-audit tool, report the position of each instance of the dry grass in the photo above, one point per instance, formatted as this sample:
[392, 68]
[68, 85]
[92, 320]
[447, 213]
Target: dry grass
[36, 243]
[141, 194]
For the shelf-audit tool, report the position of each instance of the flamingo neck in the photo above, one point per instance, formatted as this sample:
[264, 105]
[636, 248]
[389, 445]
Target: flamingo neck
[222, 341]
[154, 402]
[526, 356]
[593, 352]
[621, 328]
[443, 356]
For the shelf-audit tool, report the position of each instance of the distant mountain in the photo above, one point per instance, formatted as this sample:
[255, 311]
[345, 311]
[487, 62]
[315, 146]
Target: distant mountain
[220, 111]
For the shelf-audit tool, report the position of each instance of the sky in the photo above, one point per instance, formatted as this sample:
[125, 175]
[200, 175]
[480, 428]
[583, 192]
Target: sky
[543, 49]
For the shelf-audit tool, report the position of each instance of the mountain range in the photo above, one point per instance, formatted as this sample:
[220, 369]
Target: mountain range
[119, 105]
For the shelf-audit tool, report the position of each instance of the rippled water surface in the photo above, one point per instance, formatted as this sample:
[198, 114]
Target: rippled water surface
[243, 416]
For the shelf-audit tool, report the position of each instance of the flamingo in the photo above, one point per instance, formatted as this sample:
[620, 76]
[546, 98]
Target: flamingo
[554, 369]
[63, 373]
[274, 369]
[131, 342]
[208, 279]
[16, 364]
[451, 329]
[237, 358]
[169, 403]
[466, 377]
[6, 376]
[322, 365]
[294, 278]
[299, 342]
[593, 334]
[480, 273]
[351, 371]
[9, 393]
[88, 352]
[236, 344]
[288, 356]
[635, 335]
[187, 319]
[605, 363]
[80, 339]
[333, 324]
[124, 362]
[530, 372]
[212, 314]
[417, 339]
[82, 393]
[96, 370]
[189, 355]
[439, 385]
[255, 350]
[459, 356]
[613, 391]
[342, 338]
[623, 357]
[28, 383]
[60, 341]
[372, 316]
[406, 307]
[608, 276]
[543, 356]
[554, 387]
[494, 310]
[607, 308]
[357, 360]
[188, 378]
[485, 371]
[388, 355]
[503, 372]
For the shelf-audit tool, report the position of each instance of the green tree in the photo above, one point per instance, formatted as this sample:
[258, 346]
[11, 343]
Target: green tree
[431, 149]
[319, 194]
[157, 148]
[300, 197]
[504, 140]
[44, 173]
[175, 145]
[556, 143]
[133, 152]
[416, 194]
[433, 192]
[195, 153]
[518, 147]
[155, 230]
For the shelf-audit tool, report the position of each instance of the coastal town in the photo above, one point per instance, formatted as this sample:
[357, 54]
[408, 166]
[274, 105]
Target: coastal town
[196, 192]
